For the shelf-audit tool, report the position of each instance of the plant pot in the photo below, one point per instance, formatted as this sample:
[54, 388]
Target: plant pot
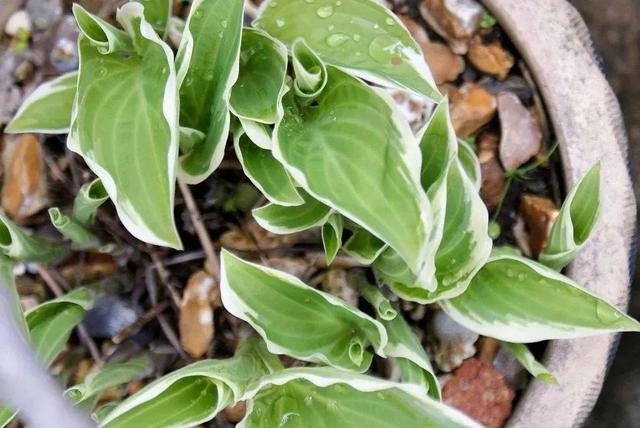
[555, 42]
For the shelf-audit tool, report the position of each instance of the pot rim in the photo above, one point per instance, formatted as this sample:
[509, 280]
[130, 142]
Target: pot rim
[557, 48]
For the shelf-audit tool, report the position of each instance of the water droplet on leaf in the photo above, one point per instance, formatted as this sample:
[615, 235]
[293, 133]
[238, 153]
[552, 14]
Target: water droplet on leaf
[325, 11]
[606, 314]
[337, 39]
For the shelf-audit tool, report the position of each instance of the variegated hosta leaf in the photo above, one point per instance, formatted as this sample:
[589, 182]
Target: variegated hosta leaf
[257, 132]
[326, 397]
[575, 222]
[7, 280]
[86, 394]
[518, 300]
[381, 304]
[363, 246]
[268, 175]
[17, 244]
[283, 220]
[410, 356]
[522, 353]
[359, 36]
[125, 127]
[332, 236]
[298, 320]
[196, 393]
[105, 37]
[257, 94]
[71, 229]
[207, 64]
[51, 323]
[47, 109]
[310, 71]
[355, 153]
[87, 202]
[470, 163]
[460, 220]
[157, 13]
[190, 138]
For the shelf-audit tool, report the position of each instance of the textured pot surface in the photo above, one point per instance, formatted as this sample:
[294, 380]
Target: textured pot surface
[555, 43]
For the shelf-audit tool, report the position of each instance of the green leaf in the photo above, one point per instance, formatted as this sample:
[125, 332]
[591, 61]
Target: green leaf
[518, 300]
[522, 353]
[87, 202]
[470, 163]
[190, 138]
[359, 36]
[310, 71]
[196, 393]
[81, 237]
[283, 220]
[575, 222]
[104, 36]
[6, 416]
[265, 172]
[86, 394]
[332, 236]
[355, 153]
[381, 304]
[363, 246]
[297, 320]
[326, 397]
[410, 356]
[17, 244]
[257, 94]
[125, 127]
[51, 323]
[460, 229]
[7, 279]
[207, 63]
[47, 109]
[157, 13]
[257, 132]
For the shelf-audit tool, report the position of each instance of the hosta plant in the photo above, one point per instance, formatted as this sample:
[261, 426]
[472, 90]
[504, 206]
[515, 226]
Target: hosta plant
[299, 97]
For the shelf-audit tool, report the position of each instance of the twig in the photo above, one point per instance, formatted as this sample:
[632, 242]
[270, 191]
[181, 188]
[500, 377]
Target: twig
[212, 265]
[165, 277]
[56, 289]
[139, 323]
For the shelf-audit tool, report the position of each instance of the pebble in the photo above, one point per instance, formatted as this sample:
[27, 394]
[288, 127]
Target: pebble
[64, 51]
[451, 343]
[443, 63]
[455, 20]
[44, 12]
[18, 21]
[472, 107]
[490, 58]
[538, 213]
[109, 316]
[521, 137]
[480, 391]
[492, 185]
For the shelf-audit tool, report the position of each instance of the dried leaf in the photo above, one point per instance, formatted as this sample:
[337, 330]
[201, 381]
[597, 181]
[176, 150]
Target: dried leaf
[196, 314]
[25, 185]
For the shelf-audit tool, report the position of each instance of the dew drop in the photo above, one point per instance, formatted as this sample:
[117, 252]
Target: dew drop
[280, 22]
[198, 14]
[101, 72]
[338, 3]
[376, 26]
[389, 21]
[337, 39]
[224, 23]
[606, 314]
[325, 11]
[356, 37]
[188, 81]
[308, 1]
[522, 277]
[510, 273]
[273, 4]
[308, 400]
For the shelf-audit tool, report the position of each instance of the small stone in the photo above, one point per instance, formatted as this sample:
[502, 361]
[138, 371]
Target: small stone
[521, 236]
[521, 134]
[235, 413]
[444, 64]
[538, 213]
[335, 282]
[513, 84]
[455, 20]
[492, 185]
[44, 12]
[472, 107]
[479, 390]
[196, 314]
[24, 190]
[490, 58]
[109, 315]
[415, 109]
[64, 52]
[24, 71]
[18, 22]
[7, 8]
[417, 31]
[451, 343]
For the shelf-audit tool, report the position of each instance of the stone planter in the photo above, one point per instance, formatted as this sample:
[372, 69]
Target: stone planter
[586, 117]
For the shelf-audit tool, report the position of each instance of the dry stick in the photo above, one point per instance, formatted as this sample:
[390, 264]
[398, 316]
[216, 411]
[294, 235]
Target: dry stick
[165, 277]
[47, 277]
[135, 326]
[212, 265]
